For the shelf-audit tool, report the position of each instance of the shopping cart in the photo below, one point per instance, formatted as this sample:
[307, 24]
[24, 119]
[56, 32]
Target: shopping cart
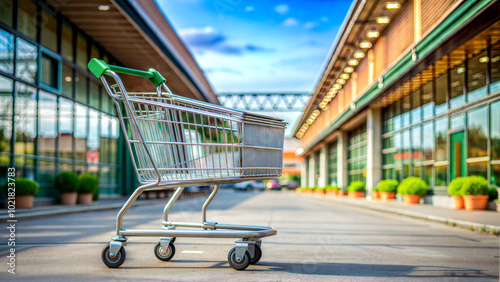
[176, 142]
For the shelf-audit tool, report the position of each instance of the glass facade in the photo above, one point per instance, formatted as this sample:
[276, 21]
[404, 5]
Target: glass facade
[332, 164]
[54, 115]
[356, 155]
[454, 124]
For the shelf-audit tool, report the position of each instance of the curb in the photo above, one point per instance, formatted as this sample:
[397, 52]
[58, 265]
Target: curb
[89, 208]
[447, 221]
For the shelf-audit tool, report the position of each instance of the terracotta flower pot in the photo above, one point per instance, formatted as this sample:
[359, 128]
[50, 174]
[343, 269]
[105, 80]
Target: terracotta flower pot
[385, 196]
[85, 199]
[459, 202]
[24, 202]
[319, 192]
[69, 199]
[330, 193]
[375, 195]
[356, 194]
[475, 202]
[411, 199]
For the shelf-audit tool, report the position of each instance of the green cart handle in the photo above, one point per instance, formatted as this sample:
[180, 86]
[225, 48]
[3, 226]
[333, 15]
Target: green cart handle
[99, 67]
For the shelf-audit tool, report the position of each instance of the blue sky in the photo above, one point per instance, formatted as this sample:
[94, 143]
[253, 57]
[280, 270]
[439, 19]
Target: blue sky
[258, 46]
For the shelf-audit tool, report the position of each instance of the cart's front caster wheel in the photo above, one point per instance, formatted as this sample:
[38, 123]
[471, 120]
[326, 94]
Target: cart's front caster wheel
[113, 262]
[257, 255]
[233, 260]
[164, 254]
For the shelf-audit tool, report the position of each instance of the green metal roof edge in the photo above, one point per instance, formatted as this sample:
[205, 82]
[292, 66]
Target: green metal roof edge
[449, 25]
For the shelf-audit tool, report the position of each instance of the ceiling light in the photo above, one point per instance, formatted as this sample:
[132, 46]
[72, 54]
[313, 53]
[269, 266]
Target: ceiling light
[67, 79]
[344, 76]
[327, 99]
[359, 55]
[392, 5]
[337, 86]
[316, 113]
[341, 81]
[373, 34]
[365, 44]
[299, 151]
[103, 8]
[333, 90]
[322, 105]
[349, 69]
[383, 20]
[484, 59]
[331, 95]
[299, 135]
[461, 70]
[310, 121]
[353, 62]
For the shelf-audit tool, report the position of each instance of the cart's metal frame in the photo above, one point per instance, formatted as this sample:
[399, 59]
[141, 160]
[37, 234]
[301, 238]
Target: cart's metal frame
[250, 236]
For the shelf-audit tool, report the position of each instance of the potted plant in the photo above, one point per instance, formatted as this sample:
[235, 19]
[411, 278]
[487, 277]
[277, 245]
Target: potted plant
[387, 189]
[356, 189]
[475, 193]
[87, 187]
[454, 191]
[67, 184]
[375, 194]
[412, 188]
[340, 192]
[331, 190]
[26, 190]
[319, 191]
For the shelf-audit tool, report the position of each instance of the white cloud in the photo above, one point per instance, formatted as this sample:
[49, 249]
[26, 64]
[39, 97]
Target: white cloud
[310, 25]
[249, 8]
[324, 19]
[291, 22]
[282, 9]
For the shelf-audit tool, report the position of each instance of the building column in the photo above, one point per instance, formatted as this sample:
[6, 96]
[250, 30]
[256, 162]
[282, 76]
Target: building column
[373, 149]
[323, 166]
[342, 144]
[311, 176]
[303, 172]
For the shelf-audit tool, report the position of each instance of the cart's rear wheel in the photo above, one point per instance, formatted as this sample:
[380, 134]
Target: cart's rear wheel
[241, 265]
[164, 254]
[257, 254]
[113, 262]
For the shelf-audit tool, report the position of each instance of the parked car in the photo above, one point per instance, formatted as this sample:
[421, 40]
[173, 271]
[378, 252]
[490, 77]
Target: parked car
[250, 185]
[293, 185]
[273, 184]
[197, 188]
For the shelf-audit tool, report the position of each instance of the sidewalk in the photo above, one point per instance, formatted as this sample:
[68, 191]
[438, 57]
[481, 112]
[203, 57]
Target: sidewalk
[488, 220]
[105, 204]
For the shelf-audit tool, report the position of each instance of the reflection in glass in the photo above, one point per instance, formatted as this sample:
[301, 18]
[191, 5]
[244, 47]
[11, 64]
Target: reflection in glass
[416, 145]
[406, 107]
[65, 128]
[6, 87]
[442, 175]
[428, 141]
[495, 69]
[416, 115]
[406, 153]
[457, 122]
[81, 88]
[495, 131]
[49, 71]
[94, 94]
[457, 79]
[441, 93]
[26, 65]
[81, 131]
[441, 137]
[6, 12]
[67, 81]
[478, 168]
[27, 18]
[427, 174]
[477, 71]
[49, 31]
[81, 51]
[495, 175]
[67, 41]
[427, 101]
[47, 124]
[477, 128]
[6, 51]
[25, 123]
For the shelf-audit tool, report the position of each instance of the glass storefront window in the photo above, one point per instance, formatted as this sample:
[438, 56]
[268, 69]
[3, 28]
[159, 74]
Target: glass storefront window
[81, 131]
[396, 110]
[94, 94]
[25, 123]
[46, 179]
[67, 81]
[26, 64]
[49, 31]
[47, 124]
[93, 139]
[457, 79]
[478, 168]
[477, 129]
[441, 94]
[428, 141]
[50, 71]
[65, 129]
[416, 145]
[427, 175]
[442, 175]
[441, 137]
[6, 51]
[427, 101]
[332, 164]
[406, 107]
[81, 88]
[6, 12]
[495, 69]
[477, 71]
[6, 89]
[27, 18]
[495, 131]
[416, 113]
[406, 152]
[82, 58]
[457, 122]
[67, 41]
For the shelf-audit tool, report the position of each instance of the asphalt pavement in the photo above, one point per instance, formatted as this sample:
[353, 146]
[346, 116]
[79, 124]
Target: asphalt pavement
[317, 240]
